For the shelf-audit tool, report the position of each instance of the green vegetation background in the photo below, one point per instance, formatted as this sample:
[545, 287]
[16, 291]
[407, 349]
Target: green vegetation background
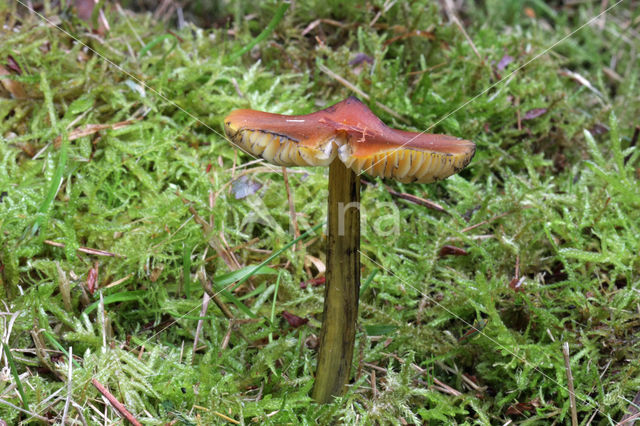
[552, 196]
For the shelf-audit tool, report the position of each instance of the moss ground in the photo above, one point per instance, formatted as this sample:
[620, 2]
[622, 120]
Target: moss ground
[548, 214]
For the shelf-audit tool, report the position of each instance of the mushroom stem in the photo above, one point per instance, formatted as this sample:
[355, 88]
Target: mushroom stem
[337, 337]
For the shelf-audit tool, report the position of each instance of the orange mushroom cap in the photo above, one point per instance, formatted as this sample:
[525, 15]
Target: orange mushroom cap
[356, 135]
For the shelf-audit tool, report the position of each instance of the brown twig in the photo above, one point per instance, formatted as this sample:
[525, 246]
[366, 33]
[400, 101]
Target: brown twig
[227, 257]
[90, 129]
[388, 4]
[203, 310]
[456, 21]
[572, 394]
[317, 22]
[411, 198]
[120, 408]
[22, 410]
[484, 222]
[443, 387]
[374, 388]
[86, 250]
[234, 248]
[208, 288]
[117, 282]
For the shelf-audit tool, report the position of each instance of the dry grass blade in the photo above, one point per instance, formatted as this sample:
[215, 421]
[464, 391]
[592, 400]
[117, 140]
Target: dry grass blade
[572, 393]
[90, 129]
[86, 250]
[34, 415]
[317, 22]
[411, 198]
[119, 407]
[69, 386]
[633, 412]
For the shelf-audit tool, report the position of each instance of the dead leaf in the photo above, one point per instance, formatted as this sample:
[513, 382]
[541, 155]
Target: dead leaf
[448, 250]
[92, 278]
[517, 284]
[12, 64]
[504, 62]
[315, 282]
[244, 187]
[580, 79]
[317, 263]
[84, 10]
[294, 320]
[12, 86]
[156, 272]
[360, 58]
[534, 113]
[522, 408]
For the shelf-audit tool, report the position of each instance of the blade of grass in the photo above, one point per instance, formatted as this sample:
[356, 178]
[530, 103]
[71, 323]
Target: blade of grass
[186, 269]
[95, 14]
[61, 348]
[368, 281]
[56, 181]
[231, 277]
[16, 376]
[264, 34]
[158, 40]
[233, 299]
[254, 293]
[124, 296]
[273, 305]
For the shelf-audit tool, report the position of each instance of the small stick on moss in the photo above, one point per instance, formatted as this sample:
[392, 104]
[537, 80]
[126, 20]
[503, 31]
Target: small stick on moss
[234, 248]
[22, 410]
[208, 289]
[90, 129]
[485, 222]
[411, 198]
[86, 250]
[374, 387]
[227, 418]
[456, 21]
[633, 412]
[203, 310]
[214, 241]
[120, 408]
[572, 394]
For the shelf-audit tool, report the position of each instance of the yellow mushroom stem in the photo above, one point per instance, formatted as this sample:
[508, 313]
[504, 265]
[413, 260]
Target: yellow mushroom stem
[342, 286]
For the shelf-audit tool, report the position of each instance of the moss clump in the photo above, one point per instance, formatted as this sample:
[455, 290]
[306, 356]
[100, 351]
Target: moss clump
[551, 194]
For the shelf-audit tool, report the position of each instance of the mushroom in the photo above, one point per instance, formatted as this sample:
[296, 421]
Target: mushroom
[350, 139]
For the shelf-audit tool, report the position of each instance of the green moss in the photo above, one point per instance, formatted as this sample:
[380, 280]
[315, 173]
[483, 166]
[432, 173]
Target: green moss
[554, 196]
